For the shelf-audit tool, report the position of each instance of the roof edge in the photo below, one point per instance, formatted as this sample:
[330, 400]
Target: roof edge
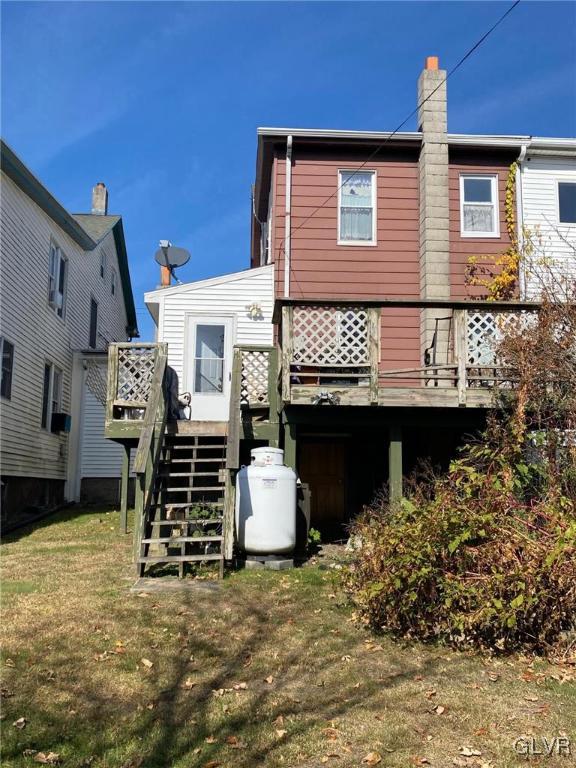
[15, 169]
[152, 296]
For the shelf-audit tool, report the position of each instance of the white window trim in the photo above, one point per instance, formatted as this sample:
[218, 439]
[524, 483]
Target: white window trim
[495, 204]
[61, 256]
[351, 172]
[563, 223]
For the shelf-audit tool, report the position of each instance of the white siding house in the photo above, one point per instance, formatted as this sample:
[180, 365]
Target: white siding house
[548, 215]
[65, 288]
[237, 308]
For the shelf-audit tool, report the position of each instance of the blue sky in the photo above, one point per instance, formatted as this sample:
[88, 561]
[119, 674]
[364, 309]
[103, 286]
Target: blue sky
[161, 100]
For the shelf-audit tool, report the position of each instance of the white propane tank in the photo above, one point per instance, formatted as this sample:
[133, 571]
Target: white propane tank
[266, 504]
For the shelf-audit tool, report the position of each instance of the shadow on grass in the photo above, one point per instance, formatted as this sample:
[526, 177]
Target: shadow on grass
[63, 515]
[169, 723]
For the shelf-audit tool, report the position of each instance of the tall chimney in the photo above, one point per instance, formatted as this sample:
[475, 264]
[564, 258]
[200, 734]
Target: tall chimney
[434, 222]
[100, 199]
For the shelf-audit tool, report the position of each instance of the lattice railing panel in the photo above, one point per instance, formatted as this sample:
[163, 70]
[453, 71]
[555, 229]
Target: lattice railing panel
[330, 336]
[135, 371]
[485, 330]
[254, 378]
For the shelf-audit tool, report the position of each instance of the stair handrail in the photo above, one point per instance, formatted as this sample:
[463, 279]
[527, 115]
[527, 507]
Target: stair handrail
[150, 446]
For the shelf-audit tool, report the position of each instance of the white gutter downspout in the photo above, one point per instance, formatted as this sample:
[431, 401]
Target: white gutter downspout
[287, 221]
[520, 216]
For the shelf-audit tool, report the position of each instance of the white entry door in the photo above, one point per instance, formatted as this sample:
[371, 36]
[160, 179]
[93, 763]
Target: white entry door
[209, 366]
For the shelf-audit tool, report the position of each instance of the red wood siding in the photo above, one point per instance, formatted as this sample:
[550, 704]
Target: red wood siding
[321, 267]
[461, 248]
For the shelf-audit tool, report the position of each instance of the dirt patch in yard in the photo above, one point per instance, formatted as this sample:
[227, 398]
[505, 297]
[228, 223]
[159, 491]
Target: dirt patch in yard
[268, 670]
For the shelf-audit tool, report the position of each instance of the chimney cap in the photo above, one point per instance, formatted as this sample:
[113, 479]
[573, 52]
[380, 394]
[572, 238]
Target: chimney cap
[431, 62]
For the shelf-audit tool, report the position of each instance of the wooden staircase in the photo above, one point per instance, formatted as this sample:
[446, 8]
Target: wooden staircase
[184, 519]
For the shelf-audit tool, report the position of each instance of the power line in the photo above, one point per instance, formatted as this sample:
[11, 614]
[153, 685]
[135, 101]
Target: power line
[449, 74]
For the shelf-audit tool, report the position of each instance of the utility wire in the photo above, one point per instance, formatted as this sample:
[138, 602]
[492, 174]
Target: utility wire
[449, 74]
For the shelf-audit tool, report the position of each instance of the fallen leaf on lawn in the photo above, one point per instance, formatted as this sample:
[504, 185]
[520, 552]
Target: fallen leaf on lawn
[20, 723]
[49, 758]
[439, 709]
[470, 752]
[430, 694]
[493, 676]
[147, 663]
[332, 756]
[331, 733]
[212, 764]
[188, 683]
[218, 691]
[240, 687]
[210, 740]
[9, 663]
[346, 658]
[279, 720]
[280, 733]
[235, 743]
[247, 661]
[372, 758]
[531, 698]
[269, 679]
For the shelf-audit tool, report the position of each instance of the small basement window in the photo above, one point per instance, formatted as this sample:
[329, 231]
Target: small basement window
[567, 202]
[356, 207]
[479, 206]
[7, 352]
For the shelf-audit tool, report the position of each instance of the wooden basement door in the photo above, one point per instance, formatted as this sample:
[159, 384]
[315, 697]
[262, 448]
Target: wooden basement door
[322, 464]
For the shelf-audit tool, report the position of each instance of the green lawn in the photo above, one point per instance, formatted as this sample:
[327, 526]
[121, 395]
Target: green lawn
[268, 670]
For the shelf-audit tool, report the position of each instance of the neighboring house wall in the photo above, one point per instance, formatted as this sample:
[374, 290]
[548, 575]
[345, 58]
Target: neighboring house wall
[230, 295]
[39, 335]
[555, 243]
[486, 248]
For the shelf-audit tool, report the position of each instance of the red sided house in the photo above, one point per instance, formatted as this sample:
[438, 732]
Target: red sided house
[381, 352]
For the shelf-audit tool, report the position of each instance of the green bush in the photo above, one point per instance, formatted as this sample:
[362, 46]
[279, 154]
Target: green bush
[484, 555]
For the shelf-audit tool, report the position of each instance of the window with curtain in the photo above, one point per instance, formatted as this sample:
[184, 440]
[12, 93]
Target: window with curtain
[479, 206]
[356, 203]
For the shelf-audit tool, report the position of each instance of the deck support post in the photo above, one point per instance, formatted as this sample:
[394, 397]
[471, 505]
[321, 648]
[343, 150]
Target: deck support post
[124, 482]
[290, 445]
[395, 463]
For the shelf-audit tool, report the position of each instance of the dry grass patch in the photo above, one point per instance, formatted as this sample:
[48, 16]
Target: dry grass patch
[268, 670]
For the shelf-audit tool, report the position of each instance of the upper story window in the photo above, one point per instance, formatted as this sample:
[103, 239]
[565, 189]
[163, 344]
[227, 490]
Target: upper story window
[567, 202]
[58, 268]
[93, 334]
[7, 352]
[51, 394]
[479, 206]
[356, 207]
[103, 260]
[113, 282]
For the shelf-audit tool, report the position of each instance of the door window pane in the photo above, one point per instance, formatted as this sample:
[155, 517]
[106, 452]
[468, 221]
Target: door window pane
[567, 202]
[209, 359]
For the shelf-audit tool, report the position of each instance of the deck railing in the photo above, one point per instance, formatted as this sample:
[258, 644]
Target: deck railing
[330, 346]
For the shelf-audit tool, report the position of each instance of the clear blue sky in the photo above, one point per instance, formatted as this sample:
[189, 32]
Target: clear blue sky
[161, 100]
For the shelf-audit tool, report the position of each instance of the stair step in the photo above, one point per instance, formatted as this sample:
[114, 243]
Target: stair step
[189, 474]
[184, 504]
[180, 558]
[182, 539]
[200, 521]
[172, 489]
[195, 447]
[191, 460]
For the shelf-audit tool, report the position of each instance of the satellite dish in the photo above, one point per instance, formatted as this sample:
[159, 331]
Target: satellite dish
[172, 257]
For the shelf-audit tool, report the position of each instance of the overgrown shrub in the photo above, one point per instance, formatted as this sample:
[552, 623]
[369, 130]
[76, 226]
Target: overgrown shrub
[484, 555]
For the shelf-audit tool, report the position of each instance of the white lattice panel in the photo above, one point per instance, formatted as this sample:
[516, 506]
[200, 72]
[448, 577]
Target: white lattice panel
[135, 371]
[485, 331]
[254, 379]
[96, 381]
[330, 336]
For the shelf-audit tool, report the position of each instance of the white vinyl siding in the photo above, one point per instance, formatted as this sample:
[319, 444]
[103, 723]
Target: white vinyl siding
[479, 205]
[228, 296]
[38, 333]
[554, 241]
[356, 207]
[100, 457]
